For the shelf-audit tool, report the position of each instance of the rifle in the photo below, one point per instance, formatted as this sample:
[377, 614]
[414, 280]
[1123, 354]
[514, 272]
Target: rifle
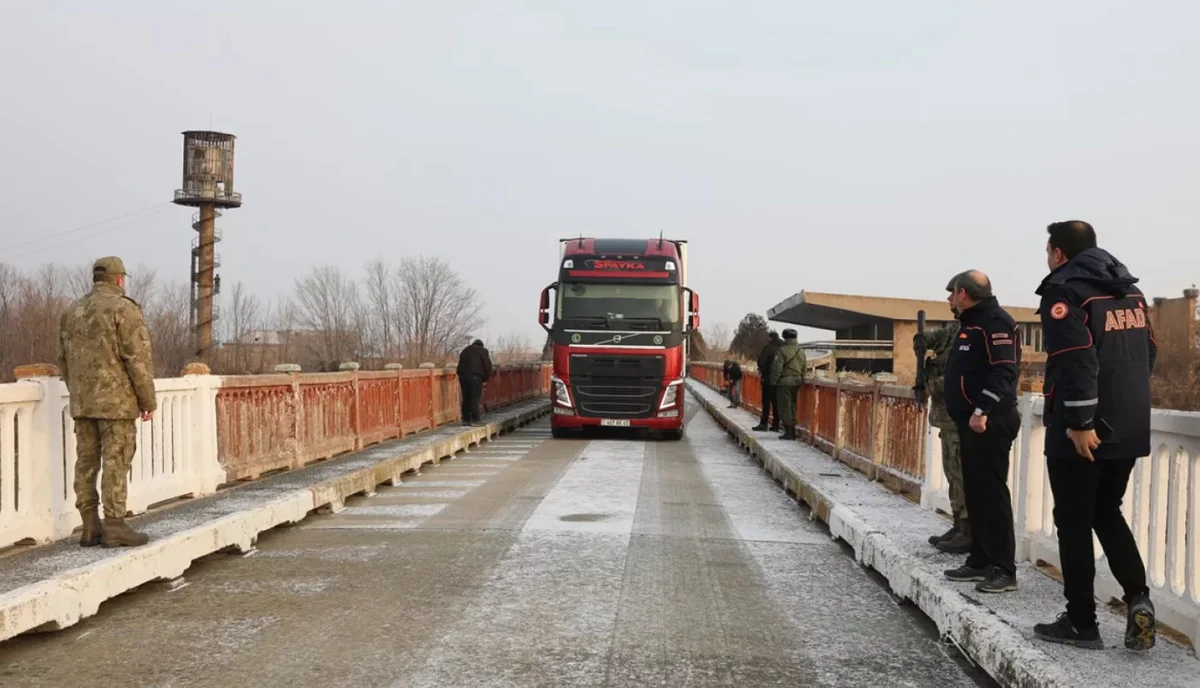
[920, 388]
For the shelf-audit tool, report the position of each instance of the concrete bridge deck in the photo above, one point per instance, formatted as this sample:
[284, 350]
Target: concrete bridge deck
[526, 561]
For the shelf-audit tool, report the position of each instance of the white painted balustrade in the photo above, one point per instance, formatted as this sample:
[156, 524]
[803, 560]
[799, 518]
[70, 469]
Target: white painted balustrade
[1162, 506]
[176, 454]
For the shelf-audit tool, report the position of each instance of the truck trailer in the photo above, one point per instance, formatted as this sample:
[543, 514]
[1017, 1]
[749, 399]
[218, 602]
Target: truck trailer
[619, 317]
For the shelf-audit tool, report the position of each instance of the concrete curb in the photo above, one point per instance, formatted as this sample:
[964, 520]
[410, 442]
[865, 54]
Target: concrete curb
[990, 642]
[65, 598]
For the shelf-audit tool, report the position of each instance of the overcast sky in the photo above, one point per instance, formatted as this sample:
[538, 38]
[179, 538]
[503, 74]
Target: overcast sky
[865, 147]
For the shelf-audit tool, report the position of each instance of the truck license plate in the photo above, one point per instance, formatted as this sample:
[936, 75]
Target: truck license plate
[614, 423]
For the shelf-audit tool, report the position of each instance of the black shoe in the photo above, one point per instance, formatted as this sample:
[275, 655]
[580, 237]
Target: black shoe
[1139, 629]
[775, 428]
[1063, 632]
[732, 406]
[934, 539]
[959, 543]
[966, 574]
[761, 427]
[998, 581]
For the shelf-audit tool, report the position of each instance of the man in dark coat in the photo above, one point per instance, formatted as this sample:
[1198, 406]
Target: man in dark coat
[474, 369]
[769, 400]
[733, 383]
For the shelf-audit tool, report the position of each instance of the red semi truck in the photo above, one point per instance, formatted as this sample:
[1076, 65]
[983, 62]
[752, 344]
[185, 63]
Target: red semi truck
[619, 320]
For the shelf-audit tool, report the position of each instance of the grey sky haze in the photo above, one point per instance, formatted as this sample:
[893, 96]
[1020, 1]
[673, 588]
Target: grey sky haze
[870, 147]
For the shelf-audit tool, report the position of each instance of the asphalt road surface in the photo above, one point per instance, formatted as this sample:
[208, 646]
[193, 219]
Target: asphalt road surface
[610, 561]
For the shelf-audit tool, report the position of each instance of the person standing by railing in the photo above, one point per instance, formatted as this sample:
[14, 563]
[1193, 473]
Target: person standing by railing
[105, 360]
[733, 382]
[958, 539]
[981, 384]
[787, 375]
[1101, 353]
[474, 370]
[770, 401]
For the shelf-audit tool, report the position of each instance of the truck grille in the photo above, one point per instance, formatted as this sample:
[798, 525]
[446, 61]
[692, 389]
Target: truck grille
[616, 386]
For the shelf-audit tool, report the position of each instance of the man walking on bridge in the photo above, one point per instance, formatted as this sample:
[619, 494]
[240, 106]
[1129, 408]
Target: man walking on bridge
[770, 401]
[982, 369]
[787, 374]
[1101, 352]
[957, 540]
[474, 370]
[105, 360]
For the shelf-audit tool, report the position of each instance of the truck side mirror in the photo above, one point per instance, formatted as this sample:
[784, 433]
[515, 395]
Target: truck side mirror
[544, 307]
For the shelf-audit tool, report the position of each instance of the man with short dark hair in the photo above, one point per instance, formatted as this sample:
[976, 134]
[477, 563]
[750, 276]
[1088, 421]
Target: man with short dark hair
[474, 370]
[787, 375]
[1101, 353]
[770, 402]
[982, 368]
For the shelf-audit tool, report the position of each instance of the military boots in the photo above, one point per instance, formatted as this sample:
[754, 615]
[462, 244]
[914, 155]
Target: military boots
[118, 534]
[960, 542]
[90, 535]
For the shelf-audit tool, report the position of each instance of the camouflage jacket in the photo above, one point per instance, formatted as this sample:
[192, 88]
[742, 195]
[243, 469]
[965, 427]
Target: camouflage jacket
[939, 342]
[787, 368]
[104, 356]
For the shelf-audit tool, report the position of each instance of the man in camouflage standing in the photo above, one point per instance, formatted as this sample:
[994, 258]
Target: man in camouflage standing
[105, 359]
[957, 540]
[787, 374]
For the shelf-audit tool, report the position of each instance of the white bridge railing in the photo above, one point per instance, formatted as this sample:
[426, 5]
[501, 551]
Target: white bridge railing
[1162, 506]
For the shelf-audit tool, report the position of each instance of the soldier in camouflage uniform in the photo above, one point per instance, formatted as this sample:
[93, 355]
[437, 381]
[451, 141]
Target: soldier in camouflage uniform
[957, 540]
[787, 374]
[105, 359]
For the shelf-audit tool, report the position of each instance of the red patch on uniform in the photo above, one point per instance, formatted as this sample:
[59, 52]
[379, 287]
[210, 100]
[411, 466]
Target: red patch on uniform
[1058, 311]
[963, 335]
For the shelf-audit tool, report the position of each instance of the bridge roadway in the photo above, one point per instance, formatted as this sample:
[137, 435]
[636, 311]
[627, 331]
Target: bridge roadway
[527, 562]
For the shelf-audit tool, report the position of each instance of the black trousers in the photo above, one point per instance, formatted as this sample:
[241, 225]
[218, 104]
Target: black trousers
[471, 387]
[985, 459]
[1087, 497]
[769, 403]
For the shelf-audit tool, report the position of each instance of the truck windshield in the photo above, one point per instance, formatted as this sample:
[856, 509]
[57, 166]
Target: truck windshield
[618, 306]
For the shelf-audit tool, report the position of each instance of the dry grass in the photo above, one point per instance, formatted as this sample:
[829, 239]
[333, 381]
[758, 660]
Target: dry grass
[1176, 383]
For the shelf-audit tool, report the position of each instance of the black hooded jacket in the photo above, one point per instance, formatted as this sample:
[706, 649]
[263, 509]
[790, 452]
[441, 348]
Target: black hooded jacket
[1100, 353]
[766, 356]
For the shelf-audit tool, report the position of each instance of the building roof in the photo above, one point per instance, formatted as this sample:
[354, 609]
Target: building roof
[840, 311]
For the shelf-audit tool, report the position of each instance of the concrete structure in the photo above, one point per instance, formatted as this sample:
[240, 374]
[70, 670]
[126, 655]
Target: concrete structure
[207, 185]
[1176, 328]
[868, 329]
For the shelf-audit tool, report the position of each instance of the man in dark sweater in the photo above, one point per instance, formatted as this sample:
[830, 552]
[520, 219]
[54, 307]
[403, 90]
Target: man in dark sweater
[769, 421]
[474, 369]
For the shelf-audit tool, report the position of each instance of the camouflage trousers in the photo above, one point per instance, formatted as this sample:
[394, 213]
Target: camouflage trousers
[107, 443]
[952, 467]
[786, 400]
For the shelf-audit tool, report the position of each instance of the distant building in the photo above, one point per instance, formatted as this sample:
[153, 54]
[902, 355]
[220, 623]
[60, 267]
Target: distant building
[874, 333]
[867, 329]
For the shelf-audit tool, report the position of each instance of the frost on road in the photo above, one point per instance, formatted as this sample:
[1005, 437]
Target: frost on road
[526, 562]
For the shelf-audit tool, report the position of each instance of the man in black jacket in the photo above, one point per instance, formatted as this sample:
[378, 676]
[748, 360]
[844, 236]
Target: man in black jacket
[1101, 352]
[474, 369]
[733, 383]
[981, 398]
[769, 402]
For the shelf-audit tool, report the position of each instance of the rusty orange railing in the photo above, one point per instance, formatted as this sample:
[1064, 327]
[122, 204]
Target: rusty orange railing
[876, 427]
[271, 422]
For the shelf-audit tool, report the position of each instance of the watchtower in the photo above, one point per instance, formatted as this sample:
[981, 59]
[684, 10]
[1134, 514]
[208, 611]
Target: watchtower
[208, 186]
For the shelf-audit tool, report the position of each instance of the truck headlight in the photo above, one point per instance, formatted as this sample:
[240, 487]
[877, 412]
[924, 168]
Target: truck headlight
[671, 395]
[561, 396]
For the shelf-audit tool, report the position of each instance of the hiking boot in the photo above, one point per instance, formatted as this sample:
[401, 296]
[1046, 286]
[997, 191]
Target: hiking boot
[762, 427]
[117, 534]
[92, 529]
[789, 433]
[998, 581]
[934, 539]
[1139, 629]
[959, 543]
[1063, 632]
[775, 428]
[966, 574]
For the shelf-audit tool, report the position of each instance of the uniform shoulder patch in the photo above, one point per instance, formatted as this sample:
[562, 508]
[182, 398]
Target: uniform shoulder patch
[1059, 310]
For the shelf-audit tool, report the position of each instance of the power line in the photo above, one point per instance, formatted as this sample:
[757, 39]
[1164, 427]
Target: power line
[157, 210]
[87, 226]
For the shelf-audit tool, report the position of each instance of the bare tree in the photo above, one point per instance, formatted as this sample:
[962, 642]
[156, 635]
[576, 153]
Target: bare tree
[328, 304]
[245, 315]
[380, 328]
[168, 317]
[718, 337]
[436, 310]
[511, 347]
